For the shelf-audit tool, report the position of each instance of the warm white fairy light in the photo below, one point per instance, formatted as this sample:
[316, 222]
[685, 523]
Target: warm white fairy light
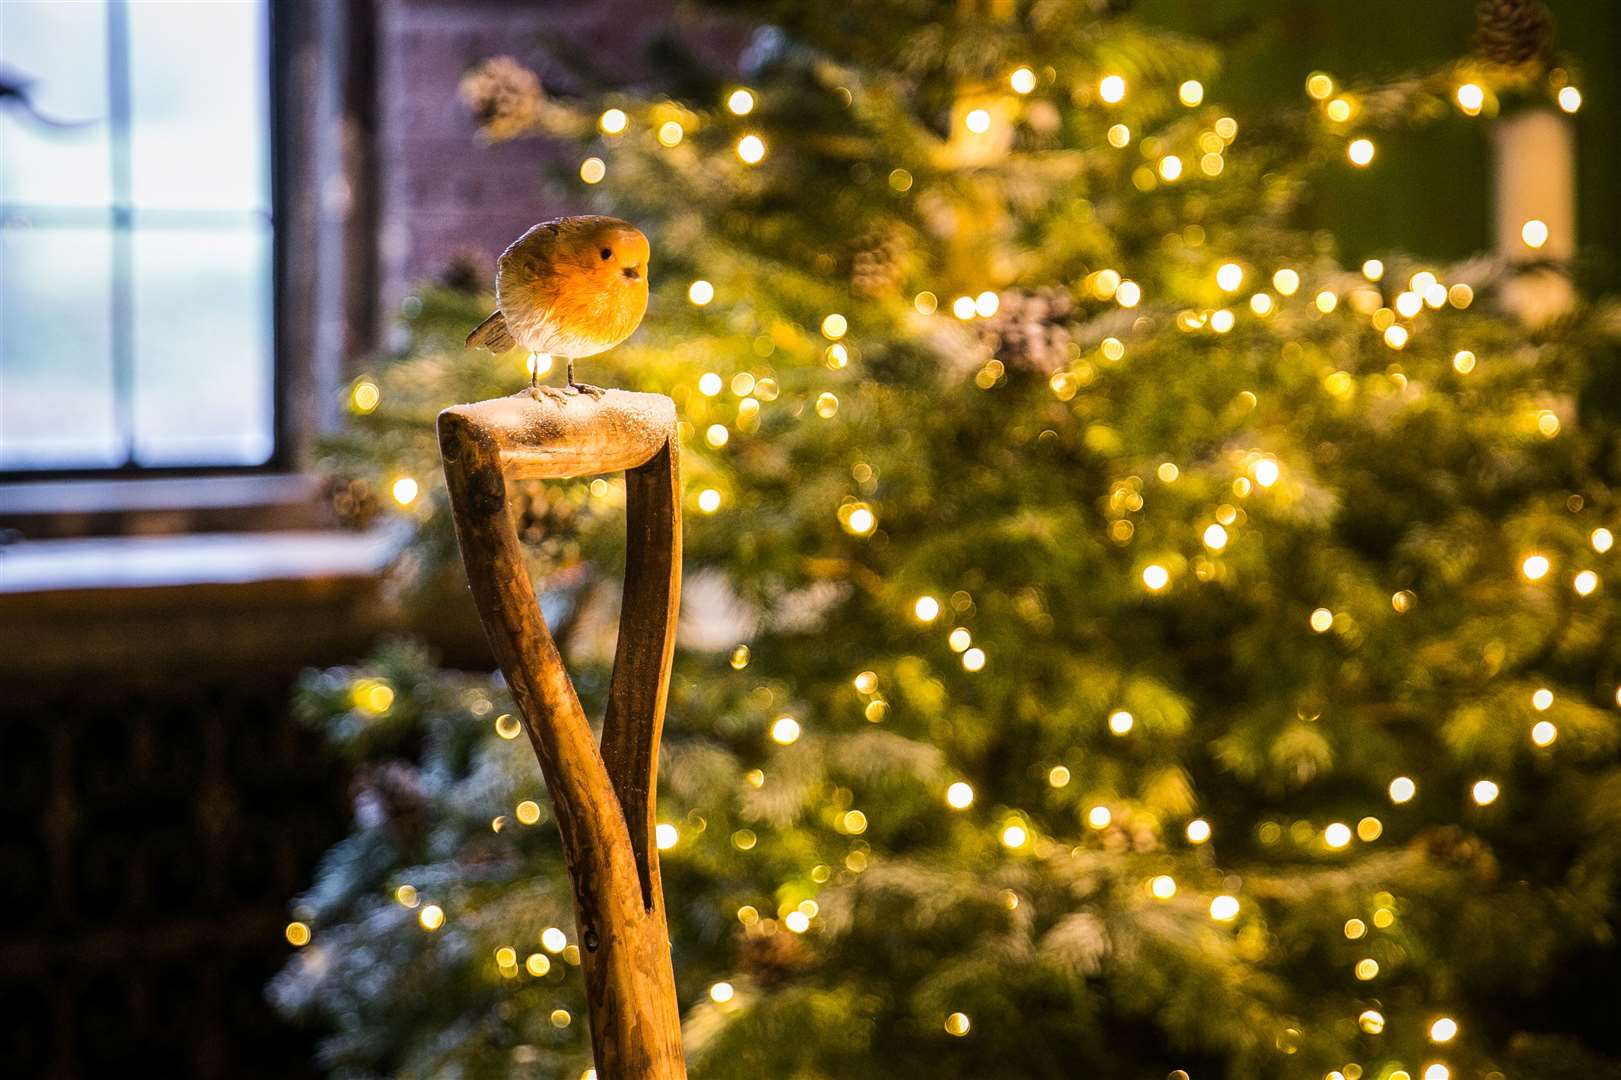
[1534, 232]
[1286, 281]
[671, 133]
[1585, 583]
[710, 384]
[722, 992]
[1542, 700]
[1463, 361]
[1322, 620]
[405, 490]
[1360, 151]
[1112, 89]
[1156, 577]
[958, 1024]
[1535, 567]
[973, 659]
[1170, 168]
[1402, 789]
[666, 836]
[784, 730]
[1544, 732]
[1602, 540]
[978, 121]
[1190, 93]
[1119, 136]
[1470, 98]
[1163, 887]
[1484, 792]
[1128, 294]
[613, 121]
[592, 170]
[1215, 537]
[1337, 835]
[1014, 835]
[1099, 817]
[1224, 908]
[963, 307]
[1121, 722]
[700, 292]
[1229, 277]
[1023, 80]
[740, 102]
[862, 521]
[959, 796]
[709, 500]
[431, 917]
[986, 304]
[1198, 831]
[751, 149]
[1222, 320]
[926, 609]
[1570, 98]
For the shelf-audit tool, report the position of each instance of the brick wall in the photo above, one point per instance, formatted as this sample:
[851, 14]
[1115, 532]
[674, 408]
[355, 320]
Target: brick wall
[442, 190]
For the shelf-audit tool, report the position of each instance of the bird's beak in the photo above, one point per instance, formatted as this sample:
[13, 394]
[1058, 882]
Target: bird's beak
[631, 273]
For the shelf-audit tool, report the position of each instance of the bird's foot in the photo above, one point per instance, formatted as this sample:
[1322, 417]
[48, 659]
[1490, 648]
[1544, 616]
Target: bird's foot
[587, 388]
[554, 393]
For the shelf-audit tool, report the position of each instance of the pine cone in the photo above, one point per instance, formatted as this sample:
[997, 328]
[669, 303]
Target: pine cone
[1513, 33]
[879, 262]
[465, 272]
[353, 500]
[1030, 330]
[504, 96]
[771, 959]
[389, 795]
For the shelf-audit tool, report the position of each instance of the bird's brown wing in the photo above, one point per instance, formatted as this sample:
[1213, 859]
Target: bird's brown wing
[531, 254]
[491, 334]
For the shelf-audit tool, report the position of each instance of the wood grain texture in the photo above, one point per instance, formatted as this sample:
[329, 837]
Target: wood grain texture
[604, 798]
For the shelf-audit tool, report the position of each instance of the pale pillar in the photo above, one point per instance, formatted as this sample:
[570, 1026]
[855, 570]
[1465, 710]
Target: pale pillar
[1535, 170]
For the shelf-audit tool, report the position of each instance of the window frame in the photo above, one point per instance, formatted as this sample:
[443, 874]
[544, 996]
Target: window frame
[332, 48]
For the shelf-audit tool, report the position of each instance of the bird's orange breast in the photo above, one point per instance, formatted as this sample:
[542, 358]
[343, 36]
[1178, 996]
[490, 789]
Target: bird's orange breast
[571, 311]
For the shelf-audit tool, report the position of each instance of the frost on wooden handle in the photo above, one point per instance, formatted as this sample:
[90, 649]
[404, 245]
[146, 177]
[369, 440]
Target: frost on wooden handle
[603, 795]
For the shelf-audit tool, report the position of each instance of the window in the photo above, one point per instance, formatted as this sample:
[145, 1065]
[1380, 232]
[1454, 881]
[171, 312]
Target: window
[136, 262]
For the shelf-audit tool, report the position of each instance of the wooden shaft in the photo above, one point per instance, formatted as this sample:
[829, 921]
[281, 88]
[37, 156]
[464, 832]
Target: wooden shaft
[604, 800]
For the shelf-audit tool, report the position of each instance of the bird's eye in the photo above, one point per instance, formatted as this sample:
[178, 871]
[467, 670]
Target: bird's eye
[607, 253]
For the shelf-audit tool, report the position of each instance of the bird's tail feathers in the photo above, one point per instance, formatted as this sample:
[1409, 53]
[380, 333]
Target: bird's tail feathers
[491, 334]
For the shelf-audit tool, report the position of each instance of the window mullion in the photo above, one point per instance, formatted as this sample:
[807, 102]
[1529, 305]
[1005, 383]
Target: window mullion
[123, 242]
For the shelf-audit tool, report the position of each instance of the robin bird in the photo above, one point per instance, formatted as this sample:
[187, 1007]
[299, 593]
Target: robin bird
[571, 287]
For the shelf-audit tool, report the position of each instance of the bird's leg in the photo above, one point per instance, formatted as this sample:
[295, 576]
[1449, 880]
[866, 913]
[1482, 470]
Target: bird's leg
[535, 389]
[584, 388]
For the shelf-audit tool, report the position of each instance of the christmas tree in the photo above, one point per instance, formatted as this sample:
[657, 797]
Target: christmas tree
[1133, 642]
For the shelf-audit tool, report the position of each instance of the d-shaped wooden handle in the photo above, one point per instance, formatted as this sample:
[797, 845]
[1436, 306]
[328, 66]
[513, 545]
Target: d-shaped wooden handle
[603, 797]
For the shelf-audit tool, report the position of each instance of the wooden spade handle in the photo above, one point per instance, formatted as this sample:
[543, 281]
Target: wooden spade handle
[604, 798]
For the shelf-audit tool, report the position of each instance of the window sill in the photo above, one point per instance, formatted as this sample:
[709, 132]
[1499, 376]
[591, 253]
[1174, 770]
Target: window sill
[129, 607]
[145, 562]
[54, 509]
